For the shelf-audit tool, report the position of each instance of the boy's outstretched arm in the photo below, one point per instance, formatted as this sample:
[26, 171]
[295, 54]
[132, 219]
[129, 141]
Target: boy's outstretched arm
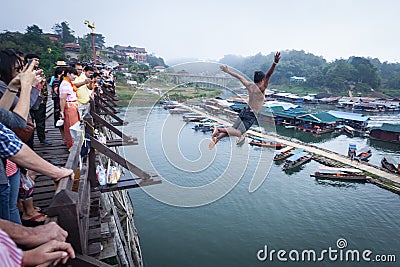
[277, 57]
[245, 82]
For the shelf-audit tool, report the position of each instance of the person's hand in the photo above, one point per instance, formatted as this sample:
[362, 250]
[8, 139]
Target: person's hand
[277, 57]
[224, 68]
[88, 80]
[51, 252]
[47, 232]
[61, 115]
[29, 78]
[15, 83]
[63, 172]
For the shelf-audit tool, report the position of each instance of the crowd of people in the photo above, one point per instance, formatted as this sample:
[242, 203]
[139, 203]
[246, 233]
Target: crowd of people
[23, 100]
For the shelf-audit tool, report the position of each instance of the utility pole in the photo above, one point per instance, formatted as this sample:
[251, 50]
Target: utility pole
[91, 27]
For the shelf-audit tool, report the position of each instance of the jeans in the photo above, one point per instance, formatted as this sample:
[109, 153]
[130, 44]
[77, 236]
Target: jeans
[8, 199]
[14, 182]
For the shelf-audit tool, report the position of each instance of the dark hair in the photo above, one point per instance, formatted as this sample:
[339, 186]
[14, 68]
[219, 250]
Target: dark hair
[96, 74]
[258, 76]
[69, 70]
[58, 71]
[8, 60]
[30, 56]
[88, 68]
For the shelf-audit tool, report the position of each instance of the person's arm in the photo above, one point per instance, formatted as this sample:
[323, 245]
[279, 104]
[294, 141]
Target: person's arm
[245, 82]
[63, 101]
[33, 236]
[79, 84]
[11, 119]
[277, 57]
[27, 158]
[26, 80]
[18, 82]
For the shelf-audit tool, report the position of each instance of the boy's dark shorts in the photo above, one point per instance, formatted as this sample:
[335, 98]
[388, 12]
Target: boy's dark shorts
[245, 120]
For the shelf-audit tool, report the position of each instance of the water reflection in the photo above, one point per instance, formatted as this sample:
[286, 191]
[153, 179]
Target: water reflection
[339, 184]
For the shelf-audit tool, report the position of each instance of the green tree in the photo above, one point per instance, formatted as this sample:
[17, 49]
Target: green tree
[65, 33]
[366, 72]
[155, 61]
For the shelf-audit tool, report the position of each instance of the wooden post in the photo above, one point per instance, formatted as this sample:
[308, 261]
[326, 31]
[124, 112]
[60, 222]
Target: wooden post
[92, 154]
[65, 206]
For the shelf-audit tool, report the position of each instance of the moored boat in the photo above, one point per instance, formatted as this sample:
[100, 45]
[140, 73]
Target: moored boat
[178, 110]
[364, 155]
[349, 130]
[389, 166]
[262, 142]
[193, 118]
[296, 160]
[284, 153]
[202, 123]
[339, 174]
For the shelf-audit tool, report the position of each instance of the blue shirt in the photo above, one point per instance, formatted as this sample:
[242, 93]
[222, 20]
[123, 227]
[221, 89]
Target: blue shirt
[10, 144]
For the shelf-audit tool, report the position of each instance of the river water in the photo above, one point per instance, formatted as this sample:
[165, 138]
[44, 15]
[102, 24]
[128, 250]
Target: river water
[290, 212]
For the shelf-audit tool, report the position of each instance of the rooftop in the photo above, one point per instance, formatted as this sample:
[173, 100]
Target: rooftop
[349, 116]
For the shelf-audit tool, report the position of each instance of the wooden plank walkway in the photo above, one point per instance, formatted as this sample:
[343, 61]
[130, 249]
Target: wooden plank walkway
[56, 153]
[315, 150]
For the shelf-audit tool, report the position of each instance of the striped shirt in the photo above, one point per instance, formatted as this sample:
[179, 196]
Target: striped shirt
[10, 254]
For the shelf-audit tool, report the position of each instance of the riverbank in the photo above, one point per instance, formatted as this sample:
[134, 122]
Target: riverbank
[143, 97]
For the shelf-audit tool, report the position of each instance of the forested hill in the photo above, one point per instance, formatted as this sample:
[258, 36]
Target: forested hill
[364, 75]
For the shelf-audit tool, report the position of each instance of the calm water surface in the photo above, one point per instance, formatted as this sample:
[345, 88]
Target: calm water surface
[288, 211]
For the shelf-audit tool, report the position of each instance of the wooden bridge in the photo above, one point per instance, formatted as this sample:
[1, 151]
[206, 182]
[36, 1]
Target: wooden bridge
[205, 81]
[98, 219]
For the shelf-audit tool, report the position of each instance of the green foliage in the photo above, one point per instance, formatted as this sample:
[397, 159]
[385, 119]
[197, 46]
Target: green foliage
[155, 61]
[34, 41]
[337, 77]
[64, 32]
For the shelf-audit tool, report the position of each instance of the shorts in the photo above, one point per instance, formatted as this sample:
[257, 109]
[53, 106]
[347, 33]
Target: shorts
[245, 120]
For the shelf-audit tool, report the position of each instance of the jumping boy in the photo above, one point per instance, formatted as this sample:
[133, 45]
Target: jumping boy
[248, 115]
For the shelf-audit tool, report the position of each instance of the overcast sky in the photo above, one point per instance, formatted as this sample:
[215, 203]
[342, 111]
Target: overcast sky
[210, 29]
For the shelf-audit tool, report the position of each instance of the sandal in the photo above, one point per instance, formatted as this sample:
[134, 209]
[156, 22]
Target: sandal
[35, 220]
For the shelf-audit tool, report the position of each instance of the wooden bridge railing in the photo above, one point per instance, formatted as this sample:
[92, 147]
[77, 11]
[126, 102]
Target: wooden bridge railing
[72, 207]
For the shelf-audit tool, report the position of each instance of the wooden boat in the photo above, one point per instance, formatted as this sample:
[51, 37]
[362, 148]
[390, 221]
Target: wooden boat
[284, 153]
[262, 142]
[389, 166]
[170, 104]
[364, 155]
[209, 127]
[178, 110]
[202, 123]
[339, 174]
[293, 152]
[193, 118]
[349, 130]
[296, 160]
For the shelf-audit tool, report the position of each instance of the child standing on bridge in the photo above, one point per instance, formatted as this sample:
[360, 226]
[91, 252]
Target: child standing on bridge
[248, 115]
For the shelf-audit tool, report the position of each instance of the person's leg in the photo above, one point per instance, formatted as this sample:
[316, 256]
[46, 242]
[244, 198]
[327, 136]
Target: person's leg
[30, 214]
[223, 132]
[14, 181]
[5, 201]
[40, 120]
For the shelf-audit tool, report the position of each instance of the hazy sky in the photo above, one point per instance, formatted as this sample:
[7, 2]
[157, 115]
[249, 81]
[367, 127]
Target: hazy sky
[210, 29]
